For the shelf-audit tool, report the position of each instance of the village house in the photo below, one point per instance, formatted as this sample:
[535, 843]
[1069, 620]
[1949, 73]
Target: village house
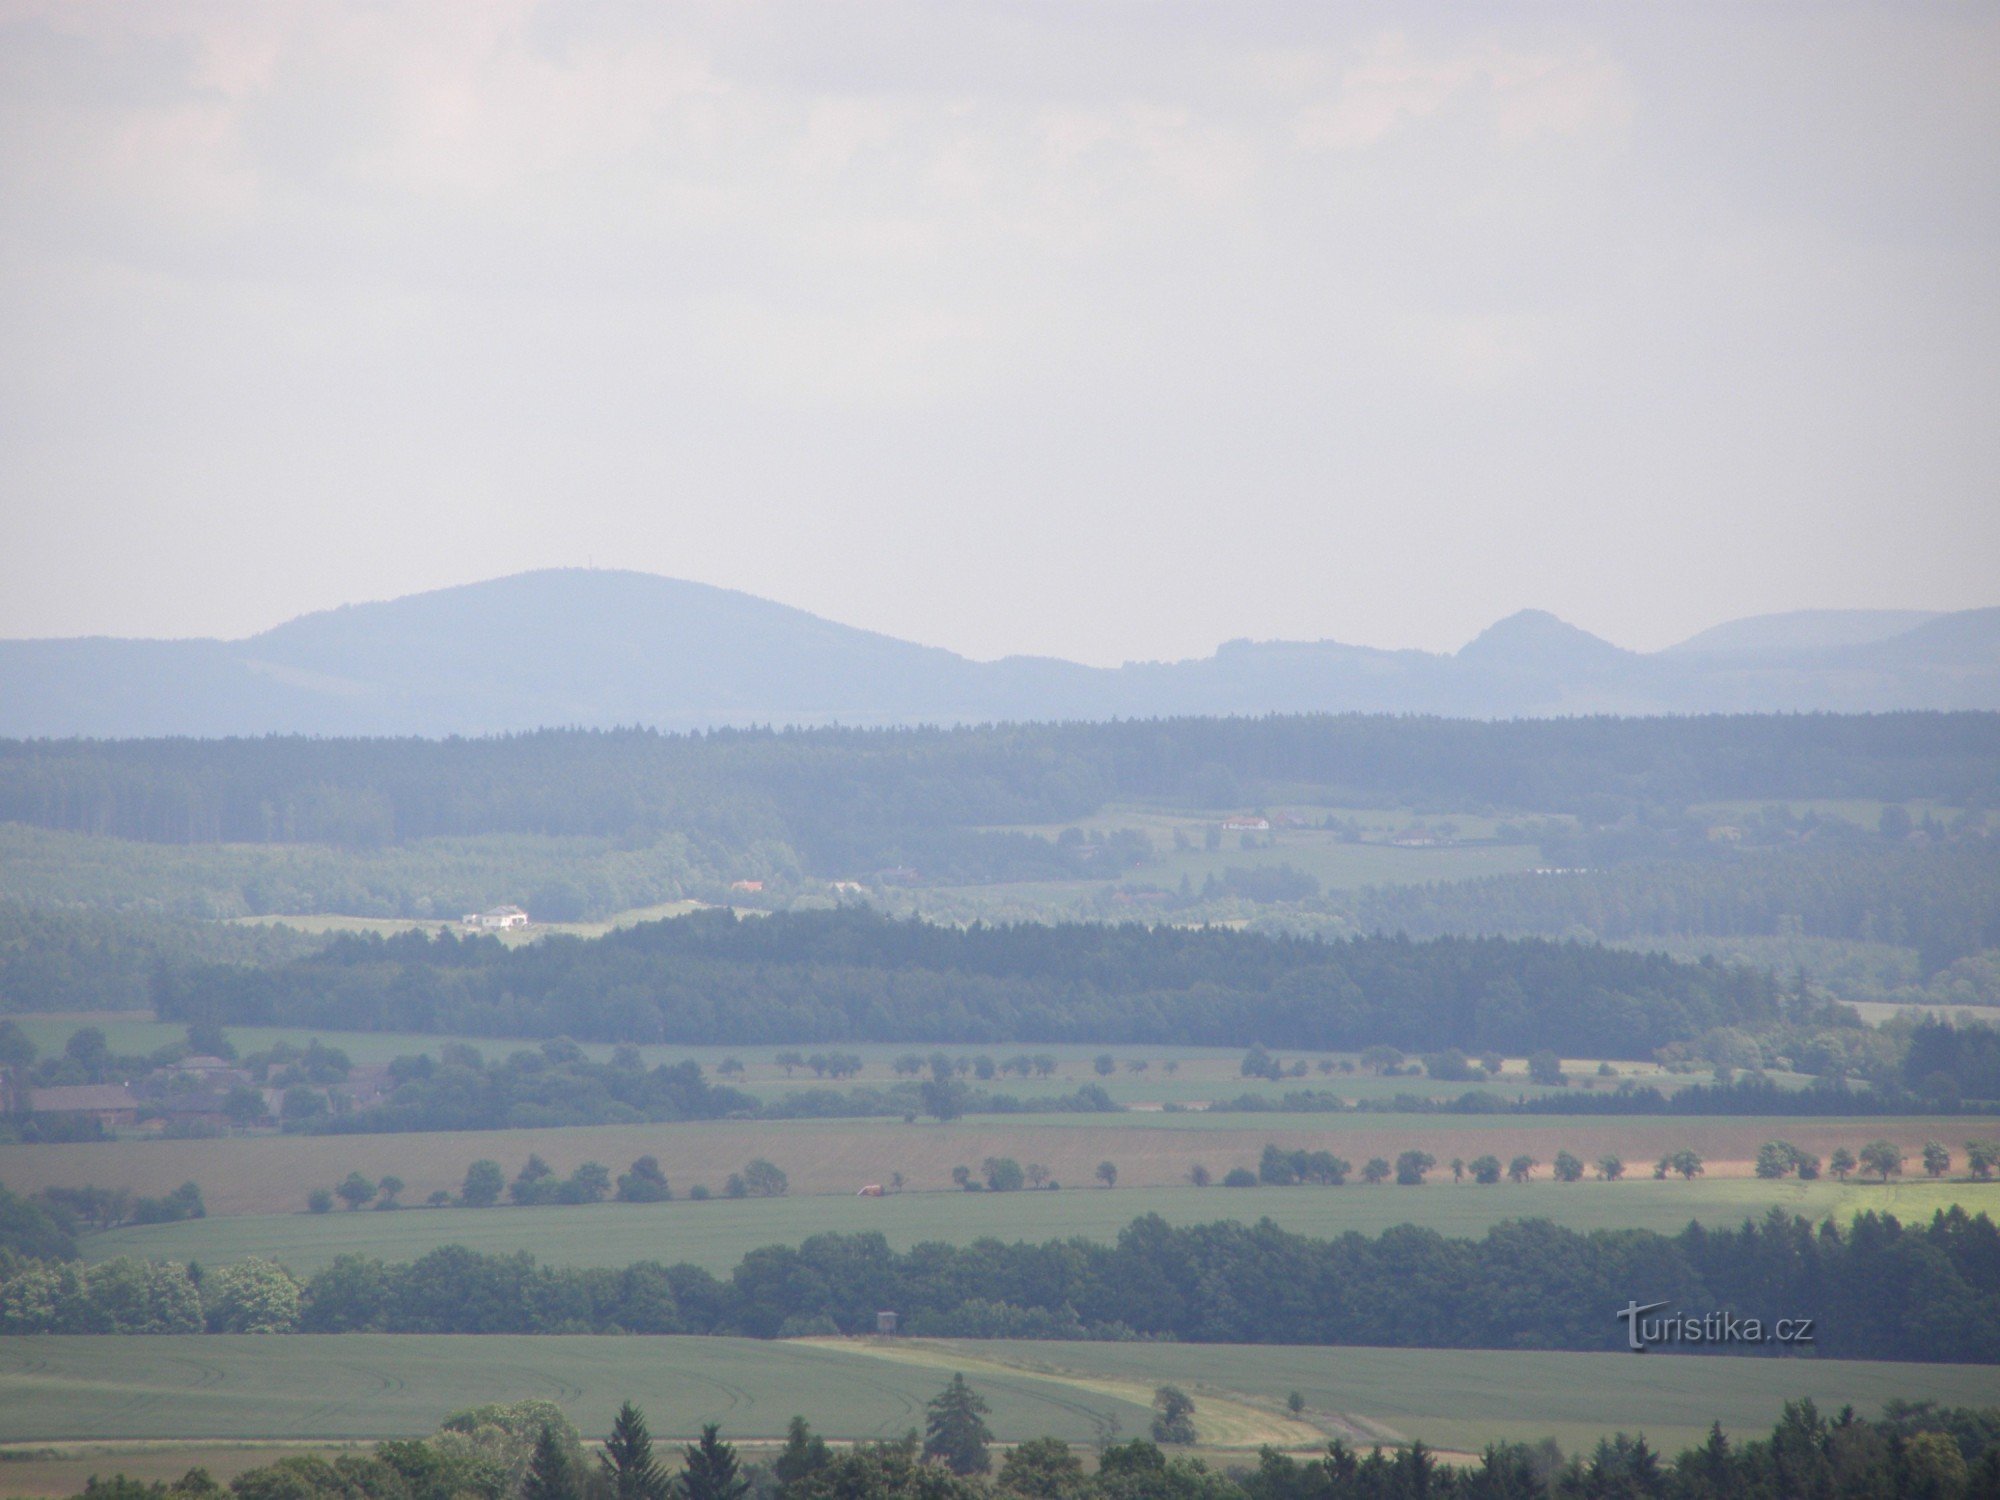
[1247, 824]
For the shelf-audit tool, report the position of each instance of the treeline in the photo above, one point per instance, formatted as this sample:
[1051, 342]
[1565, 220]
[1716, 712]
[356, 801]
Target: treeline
[61, 958]
[1941, 899]
[1875, 1290]
[1914, 1449]
[556, 1084]
[855, 975]
[846, 797]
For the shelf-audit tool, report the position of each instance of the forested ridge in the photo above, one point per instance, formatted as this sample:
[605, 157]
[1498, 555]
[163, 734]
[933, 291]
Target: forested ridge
[1877, 1289]
[1942, 900]
[855, 975]
[845, 795]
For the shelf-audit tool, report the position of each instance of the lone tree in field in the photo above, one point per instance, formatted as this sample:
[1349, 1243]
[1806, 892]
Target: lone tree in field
[355, 1190]
[387, 1190]
[1610, 1168]
[630, 1471]
[1173, 1416]
[1841, 1162]
[1003, 1174]
[1376, 1170]
[1521, 1168]
[765, 1180]
[1107, 1173]
[1411, 1166]
[484, 1182]
[1485, 1170]
[1981, 1157]
[1884, 1158]
[1937, 1160]
[1682, 1161]
[943, 1099]
[1458, 1169]
[709, 1469]
[1568, 1168]
[954, 1433]
[645, 1183]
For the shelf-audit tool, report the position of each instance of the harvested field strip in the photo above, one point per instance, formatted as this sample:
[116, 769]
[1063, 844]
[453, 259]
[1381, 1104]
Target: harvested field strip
[271, 1174]
[718, 1233]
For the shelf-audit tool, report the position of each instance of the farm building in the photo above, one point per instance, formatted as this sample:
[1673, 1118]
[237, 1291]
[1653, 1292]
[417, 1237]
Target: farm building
[111, 1104]
[496, 919]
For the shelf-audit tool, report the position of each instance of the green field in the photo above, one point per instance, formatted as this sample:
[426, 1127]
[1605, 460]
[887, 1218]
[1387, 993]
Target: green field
[1463, 1399]
[369, 1385]
[378, 1385]
[717, 1234]
[1139, 1076]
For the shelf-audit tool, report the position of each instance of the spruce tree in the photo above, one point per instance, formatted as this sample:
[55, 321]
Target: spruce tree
[805, 1452]
[628, 1463]
[709, 1469]
[550, 1476]
[954, 1435]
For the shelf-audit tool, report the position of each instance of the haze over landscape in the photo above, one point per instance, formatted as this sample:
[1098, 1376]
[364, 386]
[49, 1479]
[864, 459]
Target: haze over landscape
[604, 648]
[1075, 750]
[1102, 332]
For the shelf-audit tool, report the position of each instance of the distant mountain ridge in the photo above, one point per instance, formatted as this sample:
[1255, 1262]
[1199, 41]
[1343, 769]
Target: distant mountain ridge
[596, 648]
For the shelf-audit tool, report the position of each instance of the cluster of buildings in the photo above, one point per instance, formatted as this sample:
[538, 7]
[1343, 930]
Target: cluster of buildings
[193, 1092]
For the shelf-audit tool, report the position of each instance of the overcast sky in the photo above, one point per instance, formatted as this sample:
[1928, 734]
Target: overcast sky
[1106, 330]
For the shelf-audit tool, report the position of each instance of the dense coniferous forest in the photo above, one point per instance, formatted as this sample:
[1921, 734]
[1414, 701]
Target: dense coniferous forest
[855, 975]
[1874, 1290]
[848, 797]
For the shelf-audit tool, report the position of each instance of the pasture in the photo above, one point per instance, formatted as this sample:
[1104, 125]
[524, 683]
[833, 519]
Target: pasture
[379, 1385]
[718, 1233]
[272, 1174]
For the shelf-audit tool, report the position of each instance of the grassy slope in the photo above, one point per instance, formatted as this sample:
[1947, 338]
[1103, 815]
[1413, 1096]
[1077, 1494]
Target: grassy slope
[716, 1234]
[382, 1385]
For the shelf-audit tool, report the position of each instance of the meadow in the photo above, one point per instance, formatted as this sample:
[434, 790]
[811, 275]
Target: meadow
[382, 1385]
[718, 1233]
[1149, 1078]
[273, 1173]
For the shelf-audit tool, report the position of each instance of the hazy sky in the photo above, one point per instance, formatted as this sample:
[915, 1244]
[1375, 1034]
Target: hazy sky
[1105, 330]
